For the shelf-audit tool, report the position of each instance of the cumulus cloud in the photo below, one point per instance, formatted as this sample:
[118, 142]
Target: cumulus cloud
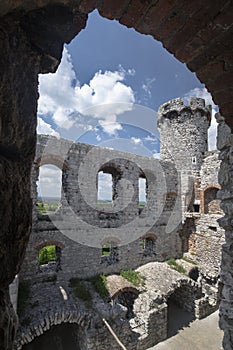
[203, 93]
[104, 98]
[45, 128]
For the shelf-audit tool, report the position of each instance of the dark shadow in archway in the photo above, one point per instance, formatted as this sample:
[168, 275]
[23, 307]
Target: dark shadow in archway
[61, 337]
[180, 311]
[127, 299]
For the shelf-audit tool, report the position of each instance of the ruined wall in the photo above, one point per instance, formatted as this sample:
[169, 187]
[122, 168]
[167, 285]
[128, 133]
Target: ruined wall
[225, 145]
[80, 227]
[209, 236]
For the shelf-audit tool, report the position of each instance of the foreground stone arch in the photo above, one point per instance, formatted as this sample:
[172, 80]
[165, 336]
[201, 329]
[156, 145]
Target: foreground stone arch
[53, 318]
[32, 37]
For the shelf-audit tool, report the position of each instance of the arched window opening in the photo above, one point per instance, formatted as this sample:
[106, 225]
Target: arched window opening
[107, 185]
[211, 203]
[106, 249]
[49, 258]
[105, 188]
[148, 246]
[49, 189]
[142, 193]
[110, 253]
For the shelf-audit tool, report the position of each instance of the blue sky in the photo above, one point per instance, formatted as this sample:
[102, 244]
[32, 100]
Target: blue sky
[109, 86]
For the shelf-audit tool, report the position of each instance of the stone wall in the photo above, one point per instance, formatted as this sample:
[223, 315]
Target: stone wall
[225, 145]
[80, 227]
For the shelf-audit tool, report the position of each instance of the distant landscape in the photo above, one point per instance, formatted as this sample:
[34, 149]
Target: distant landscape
[47, 205]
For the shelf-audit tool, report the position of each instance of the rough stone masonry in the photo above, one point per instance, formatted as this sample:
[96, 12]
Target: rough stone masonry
[180, 216]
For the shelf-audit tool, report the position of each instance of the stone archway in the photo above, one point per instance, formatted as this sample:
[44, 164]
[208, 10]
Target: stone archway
[49, 323]
[203, 41]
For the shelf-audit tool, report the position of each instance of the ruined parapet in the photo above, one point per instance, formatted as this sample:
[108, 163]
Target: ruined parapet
[183, 132]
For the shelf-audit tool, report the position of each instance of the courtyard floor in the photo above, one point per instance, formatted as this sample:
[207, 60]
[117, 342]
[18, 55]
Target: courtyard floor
[199, 335]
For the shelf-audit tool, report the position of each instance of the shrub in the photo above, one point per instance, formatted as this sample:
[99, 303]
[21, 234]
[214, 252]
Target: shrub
[134, 277]
[100, 284]
[47, 254]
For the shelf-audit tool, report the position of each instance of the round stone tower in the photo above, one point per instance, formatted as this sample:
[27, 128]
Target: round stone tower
[184, 133]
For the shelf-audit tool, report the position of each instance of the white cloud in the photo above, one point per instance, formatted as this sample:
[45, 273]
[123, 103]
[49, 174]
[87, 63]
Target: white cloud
[147, 86]
[131, 72]
[156, 155]
[142, 189]
[104, 98]
[136, 140]
[104, 186]
[203, 93]
[49, 184]
[45, 128]
[151, 139]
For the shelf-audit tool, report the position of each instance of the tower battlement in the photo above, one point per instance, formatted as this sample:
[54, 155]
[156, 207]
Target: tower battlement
[177, 109]
[184, 132]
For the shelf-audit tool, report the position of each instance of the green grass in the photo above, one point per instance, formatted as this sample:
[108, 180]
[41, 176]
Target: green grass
[47, 207]
[106, 249]
[134, 277]
[189, 260]
[141, 204]
[47, 254]
[23, 297]
[100, 284]
[175, 266]
[80, 290]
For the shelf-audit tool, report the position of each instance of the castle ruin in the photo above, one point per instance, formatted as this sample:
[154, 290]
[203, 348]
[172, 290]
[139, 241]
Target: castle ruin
[179, 219]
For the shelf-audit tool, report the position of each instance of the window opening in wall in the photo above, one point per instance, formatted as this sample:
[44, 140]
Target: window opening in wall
[106, 249]
[142, 190]
[49, 258]
[49, 189]
[196, 208]
[110, 254]
[105, 188]
[148, 246]
[213, 228]
[194, 160]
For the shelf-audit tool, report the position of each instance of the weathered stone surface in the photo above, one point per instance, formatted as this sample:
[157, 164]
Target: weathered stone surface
[144, 309]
